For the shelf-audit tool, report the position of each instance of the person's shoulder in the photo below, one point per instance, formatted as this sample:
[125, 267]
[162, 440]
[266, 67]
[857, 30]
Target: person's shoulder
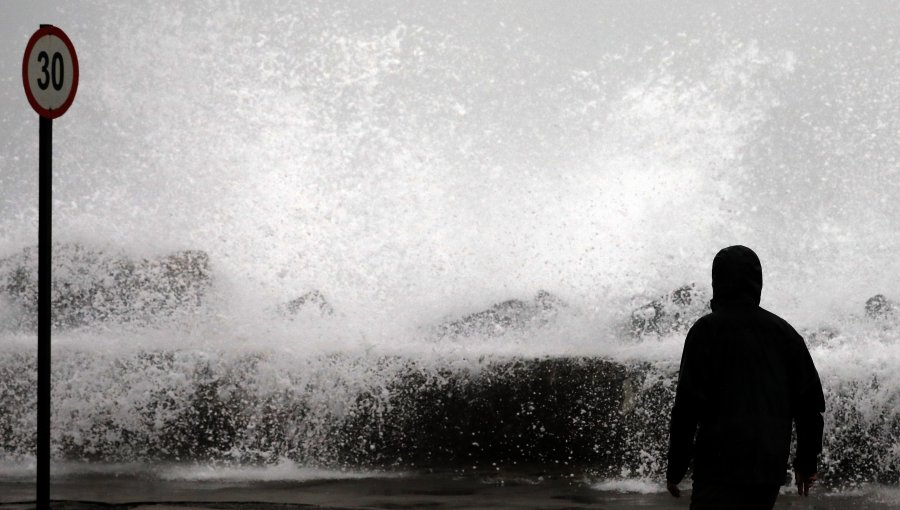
[701, 327]
[703, 321]
[708, 321]
[781, 324]
[773, 317]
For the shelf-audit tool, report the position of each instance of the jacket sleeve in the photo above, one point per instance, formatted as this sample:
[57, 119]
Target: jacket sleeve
[689, 398]
[809, 404]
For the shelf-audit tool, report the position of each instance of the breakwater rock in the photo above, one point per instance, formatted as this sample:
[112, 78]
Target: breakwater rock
[670, 313]
[578, 413]
[509, 315]
[312, 302]
[387, 412]
[558, 411]
[91, 286]
[880, 307]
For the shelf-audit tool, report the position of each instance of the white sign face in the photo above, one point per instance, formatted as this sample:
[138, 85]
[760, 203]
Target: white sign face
[50, 72]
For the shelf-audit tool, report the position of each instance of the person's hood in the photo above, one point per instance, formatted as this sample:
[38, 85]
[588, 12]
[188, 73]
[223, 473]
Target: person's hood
[736, 277]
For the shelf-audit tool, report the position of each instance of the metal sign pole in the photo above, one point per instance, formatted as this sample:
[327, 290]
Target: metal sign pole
[50, 79]
[45, 239]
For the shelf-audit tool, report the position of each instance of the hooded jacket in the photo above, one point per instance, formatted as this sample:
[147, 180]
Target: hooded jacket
[745, 376]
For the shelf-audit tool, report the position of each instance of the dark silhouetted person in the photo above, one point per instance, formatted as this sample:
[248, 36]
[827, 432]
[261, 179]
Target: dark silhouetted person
[745, 376]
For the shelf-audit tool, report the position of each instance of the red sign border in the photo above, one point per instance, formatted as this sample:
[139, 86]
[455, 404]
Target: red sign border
[57, 32]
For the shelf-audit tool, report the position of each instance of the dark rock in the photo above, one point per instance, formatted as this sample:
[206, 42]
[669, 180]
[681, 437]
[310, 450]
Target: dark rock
[879, 307]
[819, 336]
[563, 412]
[312, 300]
[548, 302]
[551, 411]
[573, 413]
[513, 314]
[90, 286]
[670, 313]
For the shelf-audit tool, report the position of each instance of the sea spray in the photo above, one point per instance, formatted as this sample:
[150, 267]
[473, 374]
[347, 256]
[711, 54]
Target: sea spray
[418, 165]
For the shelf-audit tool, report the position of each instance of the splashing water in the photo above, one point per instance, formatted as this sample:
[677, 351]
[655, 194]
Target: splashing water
[415, 165]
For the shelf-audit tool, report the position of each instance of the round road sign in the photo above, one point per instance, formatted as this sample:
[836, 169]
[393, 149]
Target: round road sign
[50, 72]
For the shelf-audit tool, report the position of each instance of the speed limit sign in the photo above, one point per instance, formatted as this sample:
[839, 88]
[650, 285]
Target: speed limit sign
[50, 72]
[50, 76]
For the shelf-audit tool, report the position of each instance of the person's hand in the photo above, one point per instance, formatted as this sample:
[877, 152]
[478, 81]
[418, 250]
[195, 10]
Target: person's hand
[673, 489]
[804, 482]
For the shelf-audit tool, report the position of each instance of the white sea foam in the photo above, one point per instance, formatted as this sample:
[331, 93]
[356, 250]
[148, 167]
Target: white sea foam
[630, 485]
[282, 471]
